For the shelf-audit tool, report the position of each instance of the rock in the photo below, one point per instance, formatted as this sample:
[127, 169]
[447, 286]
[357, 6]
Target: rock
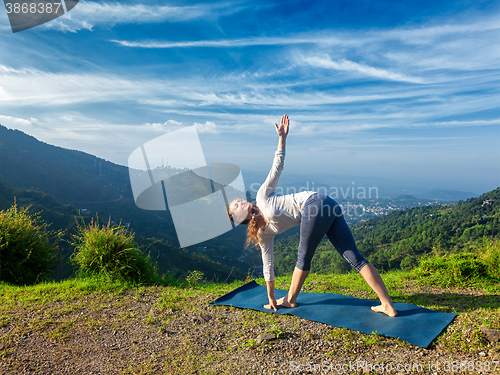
[264, 338]
[482, 354]
[492, 335]
[205, 317]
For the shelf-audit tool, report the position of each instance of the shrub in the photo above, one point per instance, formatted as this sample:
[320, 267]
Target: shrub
[409, 263]
[111, 252]
[455, 269]
[490, 254]
[194, 277]
[27, 255]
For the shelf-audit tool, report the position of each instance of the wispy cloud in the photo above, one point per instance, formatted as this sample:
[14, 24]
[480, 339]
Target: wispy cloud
[208, 101]
[455, 124]
[28, 87]
[409, 35]
[88, 14]
[10, 120]
[465, 45]
[22, 87]
[310, 38]
[350, 66]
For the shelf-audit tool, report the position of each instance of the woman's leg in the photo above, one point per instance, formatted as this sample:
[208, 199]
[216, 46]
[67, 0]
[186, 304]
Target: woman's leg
[372, 277]
[341, 237]
[316, 219]
[298, 278]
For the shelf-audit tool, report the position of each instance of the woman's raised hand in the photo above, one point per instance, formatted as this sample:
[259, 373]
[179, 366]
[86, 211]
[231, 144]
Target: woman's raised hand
[282, 130]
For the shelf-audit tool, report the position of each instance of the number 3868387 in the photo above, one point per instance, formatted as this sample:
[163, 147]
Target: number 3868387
[32, 7]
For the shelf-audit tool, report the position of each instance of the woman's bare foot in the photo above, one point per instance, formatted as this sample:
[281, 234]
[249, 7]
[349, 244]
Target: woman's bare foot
[386, 309]
[283, 302]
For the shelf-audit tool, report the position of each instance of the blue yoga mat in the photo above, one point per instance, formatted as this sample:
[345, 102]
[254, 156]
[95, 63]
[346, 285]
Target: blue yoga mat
[415, 325]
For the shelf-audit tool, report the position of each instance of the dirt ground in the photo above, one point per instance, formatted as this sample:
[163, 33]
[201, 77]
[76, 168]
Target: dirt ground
[145, 333]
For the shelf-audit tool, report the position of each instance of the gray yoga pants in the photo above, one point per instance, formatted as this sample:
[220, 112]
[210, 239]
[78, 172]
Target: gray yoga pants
[322, 215]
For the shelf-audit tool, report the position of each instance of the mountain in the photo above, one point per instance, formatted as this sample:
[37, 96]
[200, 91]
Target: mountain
[446, 195]
[68, 175]
[62, 182]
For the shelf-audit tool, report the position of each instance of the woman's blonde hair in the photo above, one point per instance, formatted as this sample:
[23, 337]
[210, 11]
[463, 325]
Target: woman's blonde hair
[253, 231]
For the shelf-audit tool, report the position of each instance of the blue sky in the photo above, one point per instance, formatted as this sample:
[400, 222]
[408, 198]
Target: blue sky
[408, 90]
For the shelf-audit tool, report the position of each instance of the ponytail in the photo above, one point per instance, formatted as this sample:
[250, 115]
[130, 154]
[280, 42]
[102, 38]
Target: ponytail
[253, 235]
[253, 231]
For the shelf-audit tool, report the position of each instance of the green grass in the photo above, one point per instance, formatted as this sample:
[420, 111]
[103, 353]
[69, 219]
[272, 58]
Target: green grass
[66, 290]
[402, 286]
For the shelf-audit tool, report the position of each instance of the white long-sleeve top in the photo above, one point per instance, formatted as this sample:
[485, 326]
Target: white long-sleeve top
[282, 212]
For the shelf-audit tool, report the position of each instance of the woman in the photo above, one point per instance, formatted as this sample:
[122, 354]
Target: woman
[319, 215]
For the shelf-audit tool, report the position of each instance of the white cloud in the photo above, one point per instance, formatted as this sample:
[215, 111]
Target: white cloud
[87, 14]
[10, 120]
[31, 87]
[425, 34]
[74, 135]
[350, 66]
[346, 109]
[162, 102]
[172, 122]
[168, 125]
[309, 38]
[3, 94]
[207, 127]
[447, 124]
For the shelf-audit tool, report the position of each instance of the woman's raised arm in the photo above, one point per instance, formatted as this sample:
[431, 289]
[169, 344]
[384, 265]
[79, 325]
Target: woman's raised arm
[282, 131]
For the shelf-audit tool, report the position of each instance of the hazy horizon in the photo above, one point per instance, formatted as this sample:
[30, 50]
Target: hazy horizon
[294, 182]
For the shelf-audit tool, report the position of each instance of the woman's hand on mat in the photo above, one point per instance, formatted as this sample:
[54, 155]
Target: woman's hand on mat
[283, 302]
[282, 130]
[272, 304]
